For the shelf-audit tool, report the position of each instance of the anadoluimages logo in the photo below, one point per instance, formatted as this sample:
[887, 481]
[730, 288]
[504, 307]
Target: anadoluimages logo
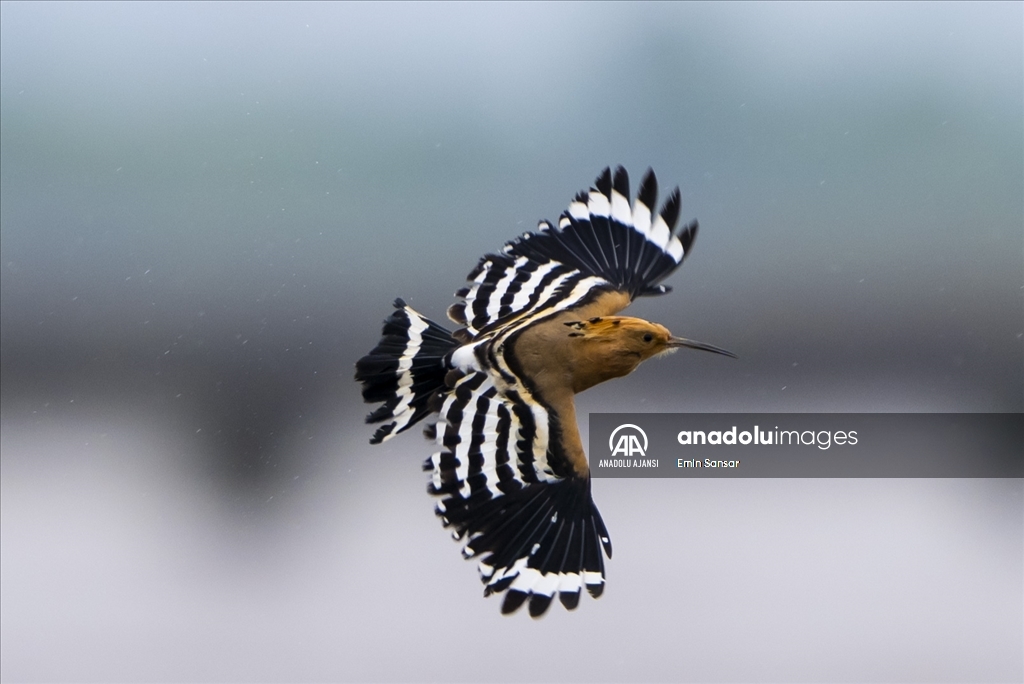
[628, 443]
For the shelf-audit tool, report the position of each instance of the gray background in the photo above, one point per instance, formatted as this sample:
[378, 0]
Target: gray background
[207, 209]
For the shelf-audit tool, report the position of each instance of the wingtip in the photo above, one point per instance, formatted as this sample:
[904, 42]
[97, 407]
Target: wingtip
[539, 604]
[647, 194]
[383, 433]
[569, 599]
[687, 235]
[621, 182]
[603, 184]
[513, 600]
[670, 210]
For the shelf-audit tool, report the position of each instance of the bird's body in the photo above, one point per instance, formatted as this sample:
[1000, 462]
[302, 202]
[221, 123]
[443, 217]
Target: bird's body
[539, 326]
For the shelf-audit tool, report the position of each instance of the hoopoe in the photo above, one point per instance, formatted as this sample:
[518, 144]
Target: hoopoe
[538, 326]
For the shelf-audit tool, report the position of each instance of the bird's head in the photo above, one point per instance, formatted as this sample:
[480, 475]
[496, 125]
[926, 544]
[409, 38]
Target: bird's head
[609, 347]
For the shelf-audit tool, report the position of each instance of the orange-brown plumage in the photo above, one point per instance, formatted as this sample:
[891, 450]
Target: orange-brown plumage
[567, 355]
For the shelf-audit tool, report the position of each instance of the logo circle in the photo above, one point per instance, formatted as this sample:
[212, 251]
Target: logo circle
[611, 439]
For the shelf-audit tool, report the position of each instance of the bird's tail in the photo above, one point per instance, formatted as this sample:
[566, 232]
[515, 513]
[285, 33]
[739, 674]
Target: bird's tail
[406, 370]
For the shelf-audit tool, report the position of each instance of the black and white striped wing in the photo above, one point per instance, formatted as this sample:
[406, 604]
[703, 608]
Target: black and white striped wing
[513, 497]
[507, 288]
[600, 243]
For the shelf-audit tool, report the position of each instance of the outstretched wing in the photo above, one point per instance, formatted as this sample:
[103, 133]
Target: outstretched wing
[509, 491]
[601, 243]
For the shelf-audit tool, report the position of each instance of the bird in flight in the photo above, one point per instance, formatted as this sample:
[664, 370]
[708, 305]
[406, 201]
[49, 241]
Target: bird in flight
[538, 325]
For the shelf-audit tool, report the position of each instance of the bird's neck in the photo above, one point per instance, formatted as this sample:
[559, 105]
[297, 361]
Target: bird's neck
[550, 363]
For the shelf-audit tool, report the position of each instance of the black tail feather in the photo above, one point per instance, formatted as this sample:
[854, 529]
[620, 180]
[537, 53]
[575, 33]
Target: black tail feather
[405, 370]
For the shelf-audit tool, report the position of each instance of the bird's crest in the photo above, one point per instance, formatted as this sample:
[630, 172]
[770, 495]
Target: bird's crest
[606, 326]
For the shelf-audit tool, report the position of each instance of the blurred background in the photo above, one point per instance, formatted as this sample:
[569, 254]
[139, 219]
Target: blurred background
[207, 210]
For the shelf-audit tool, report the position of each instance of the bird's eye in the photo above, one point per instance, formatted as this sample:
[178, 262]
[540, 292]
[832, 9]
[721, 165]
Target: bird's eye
[648, 337]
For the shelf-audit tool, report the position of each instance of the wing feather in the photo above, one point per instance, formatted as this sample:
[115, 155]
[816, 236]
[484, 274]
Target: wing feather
[600, 236]
[505, 491]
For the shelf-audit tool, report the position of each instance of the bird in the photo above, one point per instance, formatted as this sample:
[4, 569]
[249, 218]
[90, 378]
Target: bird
[538, 325]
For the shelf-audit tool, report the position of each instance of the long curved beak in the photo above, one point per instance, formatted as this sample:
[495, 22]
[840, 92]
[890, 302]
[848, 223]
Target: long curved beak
[693, 344]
